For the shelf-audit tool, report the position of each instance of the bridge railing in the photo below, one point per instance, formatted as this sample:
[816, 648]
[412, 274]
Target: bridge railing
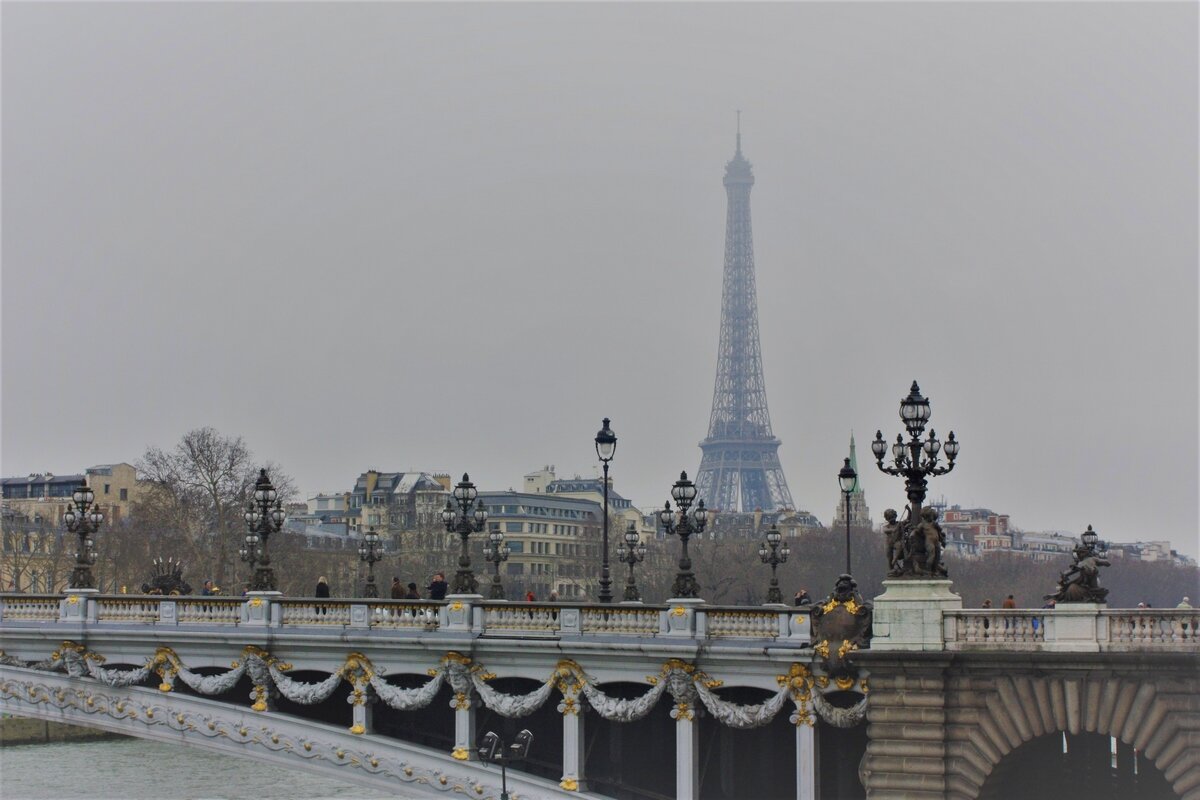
[457, 615]
[1072, 628]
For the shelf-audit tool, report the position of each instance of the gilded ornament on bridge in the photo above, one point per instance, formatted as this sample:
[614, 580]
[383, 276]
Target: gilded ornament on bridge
[569, 784]
[841, 625]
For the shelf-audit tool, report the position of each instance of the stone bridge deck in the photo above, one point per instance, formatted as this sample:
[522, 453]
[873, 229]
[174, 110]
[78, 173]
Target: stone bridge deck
[946, 692]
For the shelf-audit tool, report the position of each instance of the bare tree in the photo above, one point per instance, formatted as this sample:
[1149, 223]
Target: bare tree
[199, 491]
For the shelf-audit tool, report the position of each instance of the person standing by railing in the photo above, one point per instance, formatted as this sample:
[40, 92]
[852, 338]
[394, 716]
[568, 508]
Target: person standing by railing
[438, 587]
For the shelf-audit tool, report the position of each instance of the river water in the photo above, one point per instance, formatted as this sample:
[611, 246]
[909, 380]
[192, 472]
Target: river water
[136, 769]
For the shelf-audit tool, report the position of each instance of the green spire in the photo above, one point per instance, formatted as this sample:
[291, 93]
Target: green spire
[854, 463]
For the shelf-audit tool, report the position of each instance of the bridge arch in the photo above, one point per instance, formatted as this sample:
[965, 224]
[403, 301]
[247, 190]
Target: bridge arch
[987, 717]
[281, 739]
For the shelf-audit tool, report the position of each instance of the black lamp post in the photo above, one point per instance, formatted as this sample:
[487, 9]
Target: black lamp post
[847, 479]
[464, 522]
[370, 551]
[633, 553]
[83, 523]
[683, 526]
[497, 553]
[606, 448]
[263, 517]
[771, 552]
[493, 751]
[917, 459]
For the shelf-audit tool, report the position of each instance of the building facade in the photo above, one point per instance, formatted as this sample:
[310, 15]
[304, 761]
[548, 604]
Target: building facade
[553, 542]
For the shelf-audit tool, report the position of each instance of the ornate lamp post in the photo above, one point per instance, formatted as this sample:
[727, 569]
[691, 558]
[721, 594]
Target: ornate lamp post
[847, 478]
[83, 523]
[771, 552]
[370, 551]
[464, 522]
[683, 526]
[917, 459]
[634, 553]
[606, 448]
[496, 553]
[263, 517]
[493, 751]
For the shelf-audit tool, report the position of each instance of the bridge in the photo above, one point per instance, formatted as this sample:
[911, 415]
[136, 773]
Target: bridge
[682, 700]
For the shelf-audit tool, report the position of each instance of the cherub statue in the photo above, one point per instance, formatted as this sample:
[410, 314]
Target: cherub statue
[1080, 582]
[895, 543]
[925, 543]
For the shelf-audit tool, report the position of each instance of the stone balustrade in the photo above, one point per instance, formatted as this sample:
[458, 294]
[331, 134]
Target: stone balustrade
[209, 610]
[127, 609]
[457, 615]
[32, 607]
[1080, 627]
[1072, 628]
[1152, 627]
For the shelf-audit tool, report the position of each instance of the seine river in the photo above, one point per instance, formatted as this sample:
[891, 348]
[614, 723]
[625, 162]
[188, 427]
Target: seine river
[135, 769]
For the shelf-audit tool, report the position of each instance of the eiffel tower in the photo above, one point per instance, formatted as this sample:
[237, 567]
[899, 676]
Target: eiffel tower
[740, 469]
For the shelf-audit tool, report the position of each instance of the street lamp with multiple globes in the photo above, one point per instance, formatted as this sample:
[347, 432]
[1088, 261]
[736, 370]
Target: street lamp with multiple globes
[684, 525]
[633, 553]
[496, 553]
[464, 522]
[264, 516]
[606, 448]
[847, 479]
[492, 750]
[371, 551]
[771, 552]
[917, 459]
[83, 523]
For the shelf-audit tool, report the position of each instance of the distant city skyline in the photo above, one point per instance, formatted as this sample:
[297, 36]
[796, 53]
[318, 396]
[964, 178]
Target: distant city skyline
[454, 238]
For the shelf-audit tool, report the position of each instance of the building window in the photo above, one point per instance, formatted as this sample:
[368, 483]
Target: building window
[106, 488]
[512, 527]
[124, 494]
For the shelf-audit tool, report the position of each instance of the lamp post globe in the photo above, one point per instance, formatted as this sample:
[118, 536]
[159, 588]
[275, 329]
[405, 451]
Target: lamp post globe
[771, 553]
[683, 525]
[606, 448]
[633, 553]
[370, 552]
[497, 552]
[847, 480]
[264, 516]
[464, 521]
[83, 521]
[916, 460]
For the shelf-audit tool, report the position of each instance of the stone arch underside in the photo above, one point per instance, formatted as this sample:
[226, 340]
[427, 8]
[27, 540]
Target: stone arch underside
[987, 717]
[295, 743]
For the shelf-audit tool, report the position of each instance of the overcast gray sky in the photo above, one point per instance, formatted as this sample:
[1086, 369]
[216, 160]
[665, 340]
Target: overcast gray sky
[453, 237]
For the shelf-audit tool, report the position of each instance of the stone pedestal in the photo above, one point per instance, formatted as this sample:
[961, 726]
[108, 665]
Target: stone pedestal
[258, 608]
[1076, 627]
[908, 615]
[79, 605]
[680, 618]
[456, 613]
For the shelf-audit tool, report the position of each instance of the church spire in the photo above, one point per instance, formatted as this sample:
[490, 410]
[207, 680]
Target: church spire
[854, 464]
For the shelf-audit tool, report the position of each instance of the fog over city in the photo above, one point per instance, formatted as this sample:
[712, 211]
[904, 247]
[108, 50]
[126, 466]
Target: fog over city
[455, 237]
